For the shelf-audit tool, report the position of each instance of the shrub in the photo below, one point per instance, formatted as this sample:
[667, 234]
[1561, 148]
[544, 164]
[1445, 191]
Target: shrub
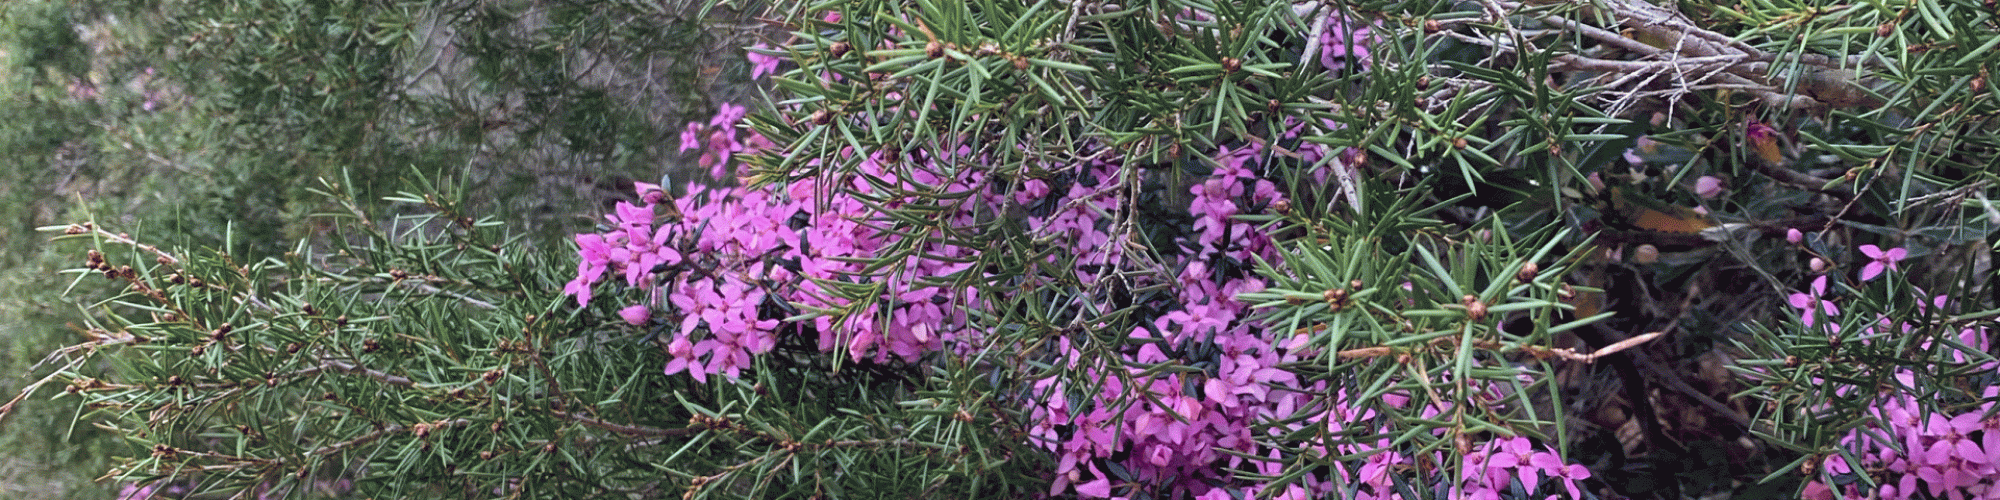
[1168, 250]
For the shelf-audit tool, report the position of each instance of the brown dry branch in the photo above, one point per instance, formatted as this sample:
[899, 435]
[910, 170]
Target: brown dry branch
[384, 432]
[1539, 352]
[625, 429]
[1694, 58]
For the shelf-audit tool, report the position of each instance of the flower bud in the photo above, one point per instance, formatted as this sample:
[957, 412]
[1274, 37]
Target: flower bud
[1474, 309]
[636, 315]
[1794, 237]
[1646, 254]
[1281, 207]
[1527, 273]
[1708, 187]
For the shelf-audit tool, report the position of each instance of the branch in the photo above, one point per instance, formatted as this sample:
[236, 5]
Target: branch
[385, 431]
[354, 369]
[1818, 81]
[629, 430]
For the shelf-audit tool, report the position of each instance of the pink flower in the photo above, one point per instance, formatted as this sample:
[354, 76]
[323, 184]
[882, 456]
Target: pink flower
[1345, 38]
[1814, 302]
[1794, 237]
[651, 194]
[133, 491]
[1884, 260]
[683, 355]
[1098, 488]
[691, 136]
[762, 64]
[596, 258]
[1514, 453]
[1708, 187]
[726, 115]
[1567, 473]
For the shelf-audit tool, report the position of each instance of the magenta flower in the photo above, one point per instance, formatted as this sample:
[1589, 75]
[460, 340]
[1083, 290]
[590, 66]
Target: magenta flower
[1346, 38]
[762, 64]
[1884, 260]
[1514, 453]
[651, 194]
[596, 258]
[1632, 157]
[683, 355]
[691, 136]
[726, 115]
[1567, 473]
[1954, 445]
[133, 491]
[1814, 302]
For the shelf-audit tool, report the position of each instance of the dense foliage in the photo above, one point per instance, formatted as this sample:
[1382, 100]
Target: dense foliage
[1172, 249]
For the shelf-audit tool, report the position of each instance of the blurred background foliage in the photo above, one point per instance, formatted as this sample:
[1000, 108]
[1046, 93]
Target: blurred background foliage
[190, 122]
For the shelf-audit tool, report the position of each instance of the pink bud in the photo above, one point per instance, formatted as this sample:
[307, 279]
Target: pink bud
[651, 194]
[1818, 265]
[1708, 187]
[1794, 236]
[636, 315]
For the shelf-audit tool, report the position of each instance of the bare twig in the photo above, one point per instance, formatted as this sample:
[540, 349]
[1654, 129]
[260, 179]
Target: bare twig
[626, 429]
[354, 369]
[384, 432]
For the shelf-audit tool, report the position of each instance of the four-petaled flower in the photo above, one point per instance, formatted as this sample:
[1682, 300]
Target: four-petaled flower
[1814, 303]
[762, 64]
[1884, 260]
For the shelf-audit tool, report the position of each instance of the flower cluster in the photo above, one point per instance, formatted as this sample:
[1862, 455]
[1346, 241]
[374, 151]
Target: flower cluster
[1345, 39]
[1493, 466]
[720, 138]
[722, 266]
[1814, 304]
[1915, 448]
[1916, 452]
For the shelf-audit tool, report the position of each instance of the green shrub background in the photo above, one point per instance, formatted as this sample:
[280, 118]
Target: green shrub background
[255, 102]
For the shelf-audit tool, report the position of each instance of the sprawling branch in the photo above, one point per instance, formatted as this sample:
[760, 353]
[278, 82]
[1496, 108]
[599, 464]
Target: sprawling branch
[1692, 58]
